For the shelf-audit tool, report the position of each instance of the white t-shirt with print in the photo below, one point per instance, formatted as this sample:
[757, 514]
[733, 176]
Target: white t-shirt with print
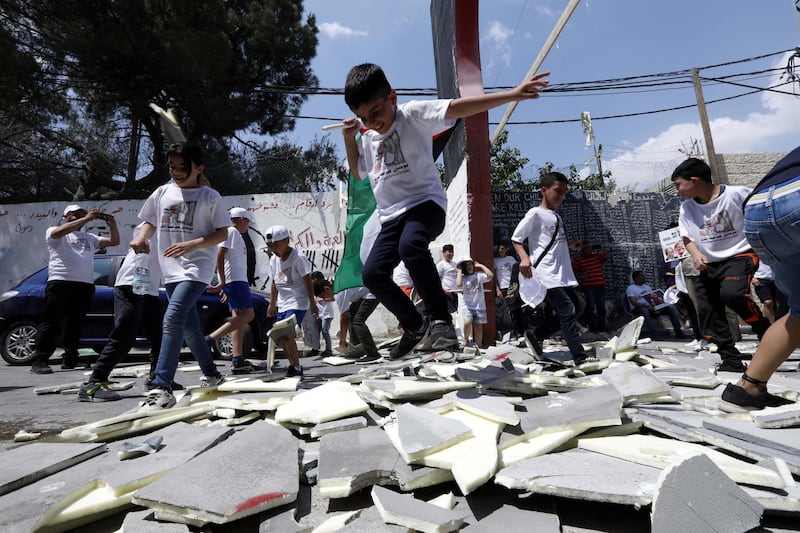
[472, 285]
[325, 308]
[637, 292]
[288, 279]
[447, 273]
[126, 271]
[555, 269]
[400, 163]
[181, 215]
[502, 270]
[401, 276]
[235, 256]
[718, 226]
[71, 256]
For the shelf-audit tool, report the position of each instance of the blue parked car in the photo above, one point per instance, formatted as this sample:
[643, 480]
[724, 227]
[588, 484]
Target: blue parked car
[21, 311]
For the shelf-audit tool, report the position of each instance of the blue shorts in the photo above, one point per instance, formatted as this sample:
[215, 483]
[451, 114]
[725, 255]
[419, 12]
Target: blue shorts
[772, 227]
[238, 293]
[298, 315]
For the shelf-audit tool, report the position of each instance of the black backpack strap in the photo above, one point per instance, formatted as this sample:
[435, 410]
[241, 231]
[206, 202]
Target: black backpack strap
[550, 244]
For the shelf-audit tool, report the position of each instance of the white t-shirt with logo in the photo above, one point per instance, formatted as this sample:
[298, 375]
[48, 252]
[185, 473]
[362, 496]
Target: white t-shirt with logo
[472, 285]
[400, 163]
[288, 279]
[71, 256]
[126, 271]
[235, 256]
[181, 215]
[447, 273]
[502, 270]
[555, 269]
[637, 292]
[718, 226]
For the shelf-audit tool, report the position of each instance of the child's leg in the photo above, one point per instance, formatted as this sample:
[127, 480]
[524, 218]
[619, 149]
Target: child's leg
[468, 332]
[182, 300]
[289, 346]
[326, 333]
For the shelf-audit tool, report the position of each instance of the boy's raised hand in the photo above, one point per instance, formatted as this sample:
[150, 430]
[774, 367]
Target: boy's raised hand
[533, 87]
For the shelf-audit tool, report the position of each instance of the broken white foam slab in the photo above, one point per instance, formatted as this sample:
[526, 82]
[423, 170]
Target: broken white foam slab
[259, 385]
[81, 495]
[660, 452]
[343, 472]
[583, 475]
[407, 389]
[26, 436]
[130, 424]
[329, 401]
[506, 351]
[445, 501]
[338, 360]
[495, 408]
[345, 424]
[228, 422]
[265, 401]
[577, 410]
[218, 486]
[536, 446]
[473, 461]
[635, 383]
[784, 416]
[510, 519]
[627, 340]
[785, 440]
[56, 389]
[693, 494]
[405, 510]
[144, 522]
[417, 432]
[688, 376]
[26, 464]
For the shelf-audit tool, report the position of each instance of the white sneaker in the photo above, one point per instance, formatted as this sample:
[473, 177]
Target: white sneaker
[157, 399]
[694, 345]
[211, 381]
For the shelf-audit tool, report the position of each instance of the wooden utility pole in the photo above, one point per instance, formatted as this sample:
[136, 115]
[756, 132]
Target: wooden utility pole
[701, 107]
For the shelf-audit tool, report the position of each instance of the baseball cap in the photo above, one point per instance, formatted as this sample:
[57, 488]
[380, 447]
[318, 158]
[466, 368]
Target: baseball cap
[277, 233]
[464, 260]
[241, 212]
[72, 207]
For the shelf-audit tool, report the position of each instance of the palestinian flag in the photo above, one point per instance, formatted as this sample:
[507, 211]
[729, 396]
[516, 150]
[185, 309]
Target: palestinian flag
[360, 231]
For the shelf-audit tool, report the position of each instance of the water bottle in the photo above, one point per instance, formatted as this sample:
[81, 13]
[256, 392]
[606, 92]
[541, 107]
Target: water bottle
[141, 273]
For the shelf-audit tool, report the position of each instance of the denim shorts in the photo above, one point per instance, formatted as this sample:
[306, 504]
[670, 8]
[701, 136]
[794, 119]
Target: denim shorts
[772, 227]
[478, 315]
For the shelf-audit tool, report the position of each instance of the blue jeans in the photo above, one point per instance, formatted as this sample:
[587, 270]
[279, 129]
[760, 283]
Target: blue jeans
[649, 315]
[181, 321]
[772, 227]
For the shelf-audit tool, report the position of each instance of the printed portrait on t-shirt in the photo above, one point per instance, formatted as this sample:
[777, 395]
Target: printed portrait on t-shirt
[284, 277]
[390, 154]
[179, 215]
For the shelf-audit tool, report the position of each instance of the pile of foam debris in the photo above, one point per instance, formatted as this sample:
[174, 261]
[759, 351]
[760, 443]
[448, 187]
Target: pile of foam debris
[642, 427]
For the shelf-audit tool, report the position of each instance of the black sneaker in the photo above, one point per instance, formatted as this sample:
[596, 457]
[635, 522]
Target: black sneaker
[354, 352]
[535, 346]
[731, 365]
[72, 364]
[41, 368]
[241, 367]
[368, 359]
[739, 397]
[442, 336]
[97, 391]
[293, 371]
[148, 385]
[407, 343]
[584, 359]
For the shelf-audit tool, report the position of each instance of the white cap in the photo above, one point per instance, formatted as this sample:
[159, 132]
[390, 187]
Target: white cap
[277, 233]
[241, 212]
[464, 260]
[72, 207]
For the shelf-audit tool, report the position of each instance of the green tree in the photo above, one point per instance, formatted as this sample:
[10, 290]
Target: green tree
[226, 65]
[506, 164]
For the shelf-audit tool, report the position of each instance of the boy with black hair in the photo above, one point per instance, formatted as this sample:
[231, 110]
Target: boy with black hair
[547, 240]
[711, 224]
[396, 154]
[447, 273]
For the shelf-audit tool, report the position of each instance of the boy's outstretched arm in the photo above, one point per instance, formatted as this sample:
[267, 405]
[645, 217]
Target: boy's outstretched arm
[470, 105]
[350, 146]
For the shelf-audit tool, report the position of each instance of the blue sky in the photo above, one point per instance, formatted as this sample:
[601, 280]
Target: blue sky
[603, 39]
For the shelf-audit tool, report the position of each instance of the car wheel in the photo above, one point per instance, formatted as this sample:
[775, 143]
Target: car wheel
[17, 344]
[223, 347]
